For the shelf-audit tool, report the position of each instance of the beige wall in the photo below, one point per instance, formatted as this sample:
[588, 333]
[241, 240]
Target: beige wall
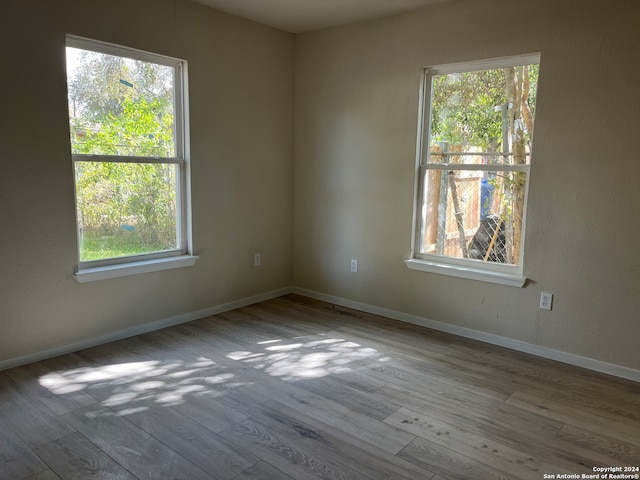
[356, 94]
[356, 103]
[241, 84]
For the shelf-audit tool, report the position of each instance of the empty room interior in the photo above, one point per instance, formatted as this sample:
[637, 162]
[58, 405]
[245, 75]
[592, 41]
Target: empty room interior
[328, 306]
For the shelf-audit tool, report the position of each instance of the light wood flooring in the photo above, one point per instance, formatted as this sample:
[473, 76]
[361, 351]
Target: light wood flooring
[296, 389]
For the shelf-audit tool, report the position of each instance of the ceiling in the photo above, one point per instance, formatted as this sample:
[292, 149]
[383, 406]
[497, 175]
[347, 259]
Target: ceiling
[299, 16]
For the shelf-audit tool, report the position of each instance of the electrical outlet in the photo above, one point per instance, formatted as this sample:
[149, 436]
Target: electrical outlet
[354, 265]
[257, 259]
[546, 299]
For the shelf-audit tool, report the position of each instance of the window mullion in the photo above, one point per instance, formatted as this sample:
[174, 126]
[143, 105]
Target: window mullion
[125, 159]
[497, 167]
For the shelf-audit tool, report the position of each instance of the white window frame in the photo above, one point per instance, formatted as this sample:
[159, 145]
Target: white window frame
[182, 256]
[512, 275]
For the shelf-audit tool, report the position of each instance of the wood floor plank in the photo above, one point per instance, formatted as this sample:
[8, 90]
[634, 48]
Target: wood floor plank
[288, 315]
[17, 460]
[296, 388]
[44, 381]
[44, 475]
[492, 356]
[465, 387]
[263, 471]
[151, 374]
[209, 412]
[211, 452]
[352, 423]
[618, 410]
[497, 417]
[323, 439]
[388, 438]
[405, 347]
[449, 463]
[610, 446]
[225, 326]
[505, 424]
[627, 431]
[484, 414]
[606, 401]
[353, 399]
[199, 330]
[569, 378]
[113, 353]
[288, 455]
[27, 417]
[131, 447]
[595, 448]
[74, 456]
[397, 352]
[356, 377]
[452, 348]
[482, 448]
[261, 318]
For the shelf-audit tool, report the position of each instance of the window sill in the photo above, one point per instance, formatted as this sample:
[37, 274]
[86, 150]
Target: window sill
[134, 268]
[470, 273]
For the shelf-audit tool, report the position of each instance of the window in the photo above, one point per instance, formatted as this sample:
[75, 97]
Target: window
[475, 139]
[128, 129]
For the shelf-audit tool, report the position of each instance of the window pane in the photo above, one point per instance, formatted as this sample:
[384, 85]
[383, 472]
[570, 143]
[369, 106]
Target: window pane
[483, 117]
[120, 106]
[126, 209]
[473, 214]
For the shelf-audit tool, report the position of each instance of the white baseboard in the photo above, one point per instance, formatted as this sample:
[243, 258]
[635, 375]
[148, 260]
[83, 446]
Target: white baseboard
[544, 352]
[139, 329]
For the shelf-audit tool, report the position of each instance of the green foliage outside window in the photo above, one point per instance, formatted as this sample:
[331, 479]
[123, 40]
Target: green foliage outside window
[123, 108]
[464, 106]
[481, 117]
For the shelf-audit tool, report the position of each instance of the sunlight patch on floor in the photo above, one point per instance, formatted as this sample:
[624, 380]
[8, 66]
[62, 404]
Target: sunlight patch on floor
[306, 359]
[131, 387]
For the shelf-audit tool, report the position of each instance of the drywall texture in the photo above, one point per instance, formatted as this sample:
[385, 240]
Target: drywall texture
[240, 83]
[356, 109]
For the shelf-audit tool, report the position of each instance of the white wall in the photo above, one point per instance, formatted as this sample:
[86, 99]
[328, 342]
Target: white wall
[241, 84]
[356, 104]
